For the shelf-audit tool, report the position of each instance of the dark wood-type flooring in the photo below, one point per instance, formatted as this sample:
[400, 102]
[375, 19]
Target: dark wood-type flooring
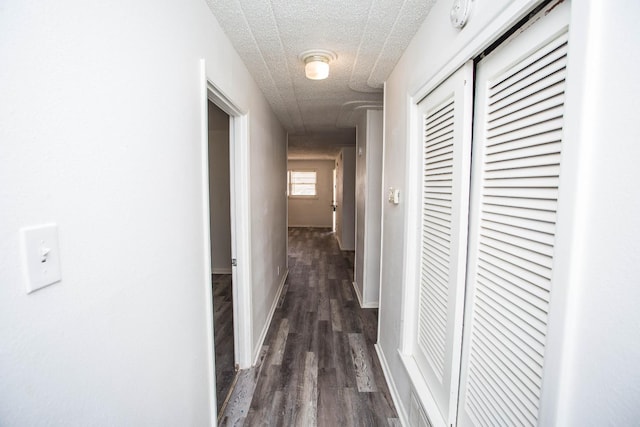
[318, 365]
[223, 335]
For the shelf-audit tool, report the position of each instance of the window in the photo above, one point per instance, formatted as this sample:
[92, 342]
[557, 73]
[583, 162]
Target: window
[301, 183]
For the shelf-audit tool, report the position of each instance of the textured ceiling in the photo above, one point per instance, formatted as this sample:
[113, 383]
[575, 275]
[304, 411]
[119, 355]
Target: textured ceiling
[368, 37]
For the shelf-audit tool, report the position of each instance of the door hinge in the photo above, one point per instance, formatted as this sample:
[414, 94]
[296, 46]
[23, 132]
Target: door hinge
[234, 262]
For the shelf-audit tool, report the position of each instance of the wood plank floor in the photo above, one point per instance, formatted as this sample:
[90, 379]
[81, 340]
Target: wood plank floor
[223, 335]
[318, 365]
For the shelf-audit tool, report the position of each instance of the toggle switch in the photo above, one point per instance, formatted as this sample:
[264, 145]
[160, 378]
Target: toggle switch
[40, 256]
[394, 196]
[44, 252]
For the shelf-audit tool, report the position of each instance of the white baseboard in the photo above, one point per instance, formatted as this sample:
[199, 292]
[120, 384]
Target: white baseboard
[357, 291]
[309, 226]
[402, 412]
[221, 270]
[363, 305]
[342, 248]
[274, 305]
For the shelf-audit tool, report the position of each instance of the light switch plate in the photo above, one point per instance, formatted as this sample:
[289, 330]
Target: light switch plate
[40, 256]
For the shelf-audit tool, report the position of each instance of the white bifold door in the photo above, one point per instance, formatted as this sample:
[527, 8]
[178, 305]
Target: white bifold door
[445, 116]
[490, 182]
[519, 107]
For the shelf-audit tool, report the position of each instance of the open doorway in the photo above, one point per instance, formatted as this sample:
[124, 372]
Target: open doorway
[334, 205]
[220, 237]
[238, 213]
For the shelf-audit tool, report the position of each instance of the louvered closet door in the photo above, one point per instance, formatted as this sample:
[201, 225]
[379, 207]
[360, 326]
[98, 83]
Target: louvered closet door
[516, 165]
[445, 126]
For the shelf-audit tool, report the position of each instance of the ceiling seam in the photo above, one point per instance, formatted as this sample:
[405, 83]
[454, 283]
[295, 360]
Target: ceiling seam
[384, 45]
[364, 31]
[264, 62]
[289, 79]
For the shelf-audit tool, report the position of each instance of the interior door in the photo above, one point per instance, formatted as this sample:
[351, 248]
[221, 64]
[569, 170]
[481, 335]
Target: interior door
[445, 128]
[518, 121]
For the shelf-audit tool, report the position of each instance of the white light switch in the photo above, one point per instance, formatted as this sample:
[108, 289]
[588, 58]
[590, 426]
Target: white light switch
[394, 196]
[40, 256]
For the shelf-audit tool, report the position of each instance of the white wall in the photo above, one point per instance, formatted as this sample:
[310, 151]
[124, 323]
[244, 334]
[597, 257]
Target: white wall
[346, 198]
[100, 130]
[338, 224]
[219, 192]
[595, 354]
[368, 207]
[599, 377]
[361, 198]
[313, 212]
[268, 166]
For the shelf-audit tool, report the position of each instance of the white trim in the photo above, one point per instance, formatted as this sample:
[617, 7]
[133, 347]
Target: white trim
[584, 38]
[240, 216]
[359, 296]
[267, 323]
[286, 212]
[411, 218]
[340, 245]
[356, 248]
[206, 241]
[242, 280]
[422, 392]
[371, 206]
[393, 390]
[382, 206]
[222, 271]
[357, 291]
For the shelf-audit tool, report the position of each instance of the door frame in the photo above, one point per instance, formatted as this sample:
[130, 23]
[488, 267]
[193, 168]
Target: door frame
[334, 202]
[240, 223]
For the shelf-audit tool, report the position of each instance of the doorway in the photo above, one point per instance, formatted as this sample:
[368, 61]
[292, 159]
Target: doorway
[238, 212]
[220, 237]
[334, 203]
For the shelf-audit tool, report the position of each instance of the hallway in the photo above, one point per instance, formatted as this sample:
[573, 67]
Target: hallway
[318, 364]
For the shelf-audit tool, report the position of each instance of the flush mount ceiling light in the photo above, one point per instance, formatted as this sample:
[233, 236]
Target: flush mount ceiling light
[316, 63]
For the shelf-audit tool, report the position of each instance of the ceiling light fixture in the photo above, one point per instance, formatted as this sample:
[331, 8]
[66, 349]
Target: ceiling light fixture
[316, 63]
